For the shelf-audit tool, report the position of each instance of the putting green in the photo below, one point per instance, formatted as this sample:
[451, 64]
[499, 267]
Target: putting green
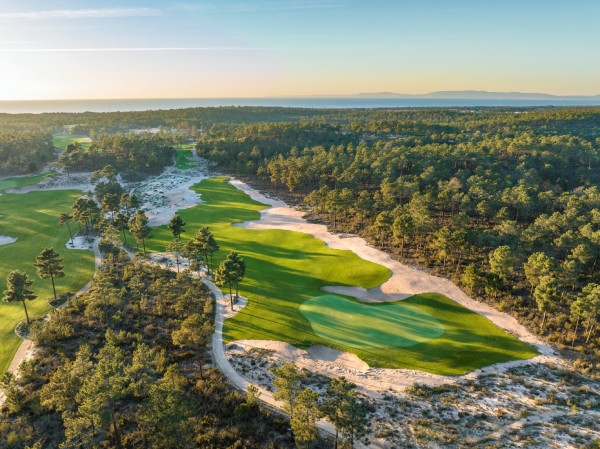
[359, 325]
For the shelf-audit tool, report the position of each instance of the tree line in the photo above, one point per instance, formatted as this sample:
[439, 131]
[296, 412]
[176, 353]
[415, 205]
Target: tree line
[483, 198]
[134, 156]
[24, 152]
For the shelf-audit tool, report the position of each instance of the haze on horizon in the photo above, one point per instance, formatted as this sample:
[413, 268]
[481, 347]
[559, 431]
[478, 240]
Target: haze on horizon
[66, 49]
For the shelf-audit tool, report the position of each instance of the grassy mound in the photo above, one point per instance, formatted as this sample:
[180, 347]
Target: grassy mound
[33, 219]
[286, 271]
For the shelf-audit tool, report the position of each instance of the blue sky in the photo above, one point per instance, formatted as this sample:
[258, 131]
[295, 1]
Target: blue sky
[158, 49]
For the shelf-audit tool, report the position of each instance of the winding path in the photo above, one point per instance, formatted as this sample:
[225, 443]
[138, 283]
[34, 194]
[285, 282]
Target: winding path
[222, 363]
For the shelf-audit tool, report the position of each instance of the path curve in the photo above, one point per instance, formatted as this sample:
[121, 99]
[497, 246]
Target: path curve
[26, 346]
[228, 371]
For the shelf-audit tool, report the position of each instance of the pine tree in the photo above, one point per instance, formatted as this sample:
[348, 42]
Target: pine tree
[304, 422]
[49, 266]
[176, 225]
[17, 289]
[138, 226]
[65, 218]
[346, 411]
[175, 247]
[546, 296]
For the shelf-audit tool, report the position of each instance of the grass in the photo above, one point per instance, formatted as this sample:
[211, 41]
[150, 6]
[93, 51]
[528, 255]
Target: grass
[33, 219]
[16, 183]
[184, 161]
[358, 325]
[63, 140]
[286, 271]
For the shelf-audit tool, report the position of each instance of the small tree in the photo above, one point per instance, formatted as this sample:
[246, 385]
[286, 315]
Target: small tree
[192, 253]
[225, 276]
[546, 296]
[175, 247]
[65, 218]
[176, 225]
[206, 245]
[538, 265]
[346, 411]
[49, 266]
[304, 422]
[17, 289]
[194, 334]
[240, 270]
[121, 222]
[587, 307]
[288, 386]
[138, 226]
[502, 262]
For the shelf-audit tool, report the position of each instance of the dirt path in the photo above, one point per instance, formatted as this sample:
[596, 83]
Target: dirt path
[225, 367]
[26, 347]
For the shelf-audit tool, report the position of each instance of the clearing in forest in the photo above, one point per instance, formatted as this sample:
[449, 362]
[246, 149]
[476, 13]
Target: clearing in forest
[285, 273]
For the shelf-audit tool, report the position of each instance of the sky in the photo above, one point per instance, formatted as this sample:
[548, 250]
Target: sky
[90, 49]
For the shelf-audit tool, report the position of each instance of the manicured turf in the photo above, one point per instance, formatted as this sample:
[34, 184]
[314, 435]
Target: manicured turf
[184, 155]
[33, 219]
[352, 323]
[16, 183]
[285, 271]
[62, 140]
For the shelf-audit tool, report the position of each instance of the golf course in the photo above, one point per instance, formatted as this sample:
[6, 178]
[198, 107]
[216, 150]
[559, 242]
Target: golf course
[32, 219]
[286, 271]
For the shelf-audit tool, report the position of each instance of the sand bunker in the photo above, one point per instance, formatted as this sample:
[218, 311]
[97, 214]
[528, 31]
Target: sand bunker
[345, 359]
[6, 240]
[80, 242]
[316, 358]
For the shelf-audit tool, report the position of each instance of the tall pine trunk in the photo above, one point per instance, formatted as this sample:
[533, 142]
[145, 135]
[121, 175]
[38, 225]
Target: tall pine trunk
[575, 334]
[26, 314]
[53, 286]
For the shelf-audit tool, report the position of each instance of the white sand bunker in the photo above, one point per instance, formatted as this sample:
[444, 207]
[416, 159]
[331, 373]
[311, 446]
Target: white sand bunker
[345, 359]
[317, 356]
[80, 242]
[6, 240]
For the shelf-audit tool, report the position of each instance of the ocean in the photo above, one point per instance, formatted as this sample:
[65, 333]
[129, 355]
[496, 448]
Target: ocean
[37, 107]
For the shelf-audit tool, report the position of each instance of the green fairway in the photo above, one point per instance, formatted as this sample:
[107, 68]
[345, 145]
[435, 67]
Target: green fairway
[16, 183]
[285, 272]
[62, 140]
[32, 218]
[184, 158]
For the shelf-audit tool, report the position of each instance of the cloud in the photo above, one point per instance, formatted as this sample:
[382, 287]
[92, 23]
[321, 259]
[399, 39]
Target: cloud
[128, 49]
[57, 14]
[260, 6]
[284, 5]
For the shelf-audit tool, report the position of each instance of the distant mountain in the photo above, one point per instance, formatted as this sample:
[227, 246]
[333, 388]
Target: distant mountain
[476, 95]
